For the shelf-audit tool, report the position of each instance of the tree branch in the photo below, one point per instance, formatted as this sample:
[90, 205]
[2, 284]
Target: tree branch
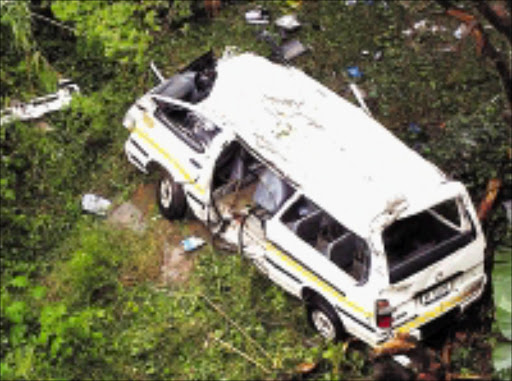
[499, 21]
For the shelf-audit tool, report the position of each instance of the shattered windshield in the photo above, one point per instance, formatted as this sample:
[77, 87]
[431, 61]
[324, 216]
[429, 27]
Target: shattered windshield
[416, 242]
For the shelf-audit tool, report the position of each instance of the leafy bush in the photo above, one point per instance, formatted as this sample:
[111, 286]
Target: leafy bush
[502, 284]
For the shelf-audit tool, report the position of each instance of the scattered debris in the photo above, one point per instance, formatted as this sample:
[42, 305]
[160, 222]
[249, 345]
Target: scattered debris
[286, 51]
[414, 128]
[192, 243]
[354, 72]
[493, 187]
[376, 56]
[423, 26]
[257, 16]
[292, 49]
[420, 25]
[288, 22]
[94, 204]
[461, 32]
[360, 95]
[350, 2]
[403, 360]
[407, 32]
[37, 107]
[507, 205]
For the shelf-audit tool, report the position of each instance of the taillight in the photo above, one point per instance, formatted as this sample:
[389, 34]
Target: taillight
[383, 313]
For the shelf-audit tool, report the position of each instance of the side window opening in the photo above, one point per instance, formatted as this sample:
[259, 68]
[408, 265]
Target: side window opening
[415, 242]
[328, 237]
[190, 128]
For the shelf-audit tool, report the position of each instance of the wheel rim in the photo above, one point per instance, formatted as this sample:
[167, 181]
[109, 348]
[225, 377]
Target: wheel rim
[323, 325]
[166, 192]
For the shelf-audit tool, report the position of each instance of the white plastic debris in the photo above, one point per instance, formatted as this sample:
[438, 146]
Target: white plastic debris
[288, 22]
[37, 107]
[358, 93]
[420, 25]
[292, 49]
[507, 205]
[438, 28]
[192, 243]
[257, 16]
[95, 204]
[402, 360]
[423, 26]
[461, 31]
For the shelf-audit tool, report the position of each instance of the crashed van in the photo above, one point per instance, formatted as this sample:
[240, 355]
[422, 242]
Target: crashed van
[323, 199]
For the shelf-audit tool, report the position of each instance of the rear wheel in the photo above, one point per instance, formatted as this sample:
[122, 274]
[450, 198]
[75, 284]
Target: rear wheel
[324, 320]
[171, 198]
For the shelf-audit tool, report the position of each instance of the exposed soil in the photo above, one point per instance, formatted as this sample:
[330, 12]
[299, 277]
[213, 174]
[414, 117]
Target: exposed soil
[141, 215]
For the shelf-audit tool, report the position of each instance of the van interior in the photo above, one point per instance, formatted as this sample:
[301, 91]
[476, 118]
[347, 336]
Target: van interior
[415, 242]
[246, 190]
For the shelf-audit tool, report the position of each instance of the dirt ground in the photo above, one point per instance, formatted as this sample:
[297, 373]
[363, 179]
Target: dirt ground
[141, 215]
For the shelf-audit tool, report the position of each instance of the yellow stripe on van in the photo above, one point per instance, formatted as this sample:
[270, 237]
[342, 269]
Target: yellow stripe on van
[430, 315]
[172, 160]
[314, 279]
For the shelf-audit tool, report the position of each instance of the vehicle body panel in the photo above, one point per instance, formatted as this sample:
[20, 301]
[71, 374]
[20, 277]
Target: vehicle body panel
[265, 119]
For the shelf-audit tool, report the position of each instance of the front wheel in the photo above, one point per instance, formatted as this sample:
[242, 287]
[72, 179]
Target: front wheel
[324, 320]
[170, 198]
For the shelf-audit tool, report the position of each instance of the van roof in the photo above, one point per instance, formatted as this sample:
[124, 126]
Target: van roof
[340, 157]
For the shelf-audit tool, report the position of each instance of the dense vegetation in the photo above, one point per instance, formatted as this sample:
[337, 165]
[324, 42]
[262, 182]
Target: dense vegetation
[82, 299]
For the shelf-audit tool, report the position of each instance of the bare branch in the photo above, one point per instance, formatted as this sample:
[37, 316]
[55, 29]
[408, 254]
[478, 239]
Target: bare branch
[500, 21]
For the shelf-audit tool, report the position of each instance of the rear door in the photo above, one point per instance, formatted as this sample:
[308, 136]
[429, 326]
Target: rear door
[431, 257]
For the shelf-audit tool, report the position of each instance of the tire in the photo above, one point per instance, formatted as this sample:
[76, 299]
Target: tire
[170, 198]
[324, 320]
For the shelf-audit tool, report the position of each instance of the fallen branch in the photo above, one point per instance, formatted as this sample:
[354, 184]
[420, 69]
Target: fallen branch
[493, 187]
[246, 335]
[462, 377]
[239, 352]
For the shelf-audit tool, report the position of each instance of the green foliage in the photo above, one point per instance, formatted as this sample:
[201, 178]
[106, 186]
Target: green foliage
[502, 284]
[501, 359]
[15, 15]
[119, 30]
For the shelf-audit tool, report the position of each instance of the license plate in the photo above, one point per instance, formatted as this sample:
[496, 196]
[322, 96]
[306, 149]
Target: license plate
[436, 293]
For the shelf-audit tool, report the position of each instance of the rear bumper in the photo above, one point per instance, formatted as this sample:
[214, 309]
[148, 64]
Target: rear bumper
[443, 312]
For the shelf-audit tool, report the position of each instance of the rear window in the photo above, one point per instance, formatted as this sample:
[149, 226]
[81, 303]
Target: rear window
[418, 241]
